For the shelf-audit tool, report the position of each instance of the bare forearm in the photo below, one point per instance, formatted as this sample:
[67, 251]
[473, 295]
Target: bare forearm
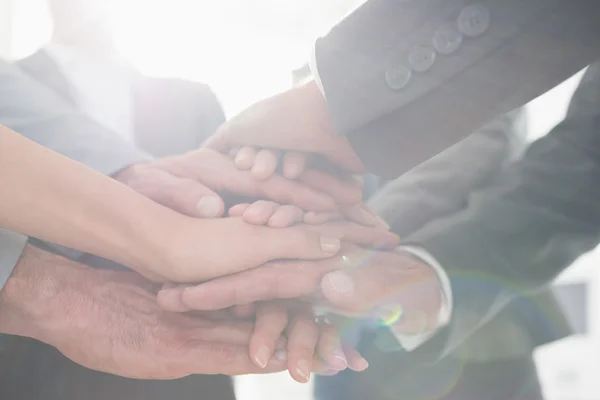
[53, 198]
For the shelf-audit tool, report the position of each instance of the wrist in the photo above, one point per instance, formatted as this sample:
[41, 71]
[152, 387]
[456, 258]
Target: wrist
[312, 99]
[146, 248]
[33, 297]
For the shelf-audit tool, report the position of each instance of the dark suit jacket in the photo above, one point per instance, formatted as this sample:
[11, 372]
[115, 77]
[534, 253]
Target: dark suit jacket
[494, 363]
[532, 223]
[171, 116]
[421, 75]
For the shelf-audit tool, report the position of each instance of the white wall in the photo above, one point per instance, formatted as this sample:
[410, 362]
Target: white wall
[5, 27]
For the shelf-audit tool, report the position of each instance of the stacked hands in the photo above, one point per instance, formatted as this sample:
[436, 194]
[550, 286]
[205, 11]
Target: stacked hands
[314, 216]
[240, 291]
[281, 256]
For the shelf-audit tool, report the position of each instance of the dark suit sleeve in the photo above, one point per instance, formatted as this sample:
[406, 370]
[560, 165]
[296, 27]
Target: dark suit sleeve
[406, 79]
[540, 216]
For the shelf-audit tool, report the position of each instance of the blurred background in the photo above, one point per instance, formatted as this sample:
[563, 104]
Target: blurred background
[246, 50]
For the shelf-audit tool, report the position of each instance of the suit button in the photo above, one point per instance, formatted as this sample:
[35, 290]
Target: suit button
[447, 40]
[421, 58]
[474, 20]
[397, 77]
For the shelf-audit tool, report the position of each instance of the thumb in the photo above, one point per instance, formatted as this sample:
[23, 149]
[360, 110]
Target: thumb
[186, 196]
[298, 243]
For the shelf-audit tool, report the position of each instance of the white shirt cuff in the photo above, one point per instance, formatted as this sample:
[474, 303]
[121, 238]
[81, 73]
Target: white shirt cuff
[312, 63]
[411, 342]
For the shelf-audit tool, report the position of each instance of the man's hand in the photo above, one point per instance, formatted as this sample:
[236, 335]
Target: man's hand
[297, 119]
[109, 321]
[189, 183]
[392, 286]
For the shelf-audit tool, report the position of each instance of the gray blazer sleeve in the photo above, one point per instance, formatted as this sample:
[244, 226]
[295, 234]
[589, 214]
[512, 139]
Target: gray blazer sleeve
[36, 112]
[406, 79]
[538, 217]
[442, 185]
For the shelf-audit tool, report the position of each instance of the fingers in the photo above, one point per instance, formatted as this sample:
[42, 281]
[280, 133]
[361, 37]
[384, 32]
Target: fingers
[303, 336]
[362, 215]
[271, 321]
[294, 164]
[245, 158]
[314, 218]
[268, 213]
[244, 310]
[260, 212]
[391, 288]
[330, 349]
[238, 210]
[278, 280]
[265, 164]
[285, 216]
[180, 194]
[218, 172]
[206, 357]
[297, 242]
[234, 332]
[357, 234]
[356, 362]
[343, 188]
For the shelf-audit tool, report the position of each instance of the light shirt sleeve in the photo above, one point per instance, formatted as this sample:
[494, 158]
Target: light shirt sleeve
[11, 247]
[312, 63]
[411, 342]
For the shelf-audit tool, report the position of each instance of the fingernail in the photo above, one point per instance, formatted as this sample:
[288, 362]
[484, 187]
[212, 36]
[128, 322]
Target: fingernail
[262, 356]
[340, 282]
[330, 245]
[281, 355]
[209, 207]
[329, 372]
[338, 360]
[244, 160]
[361, 365]
[303, 370]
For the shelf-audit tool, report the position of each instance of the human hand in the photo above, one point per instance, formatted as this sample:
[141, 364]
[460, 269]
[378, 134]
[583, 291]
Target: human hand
[109, 321]
[297, 119]
[312, 346]
[289, 330]
[264, 163]
[389, 285]
[189, 184]
[193, 250]
[230, 245]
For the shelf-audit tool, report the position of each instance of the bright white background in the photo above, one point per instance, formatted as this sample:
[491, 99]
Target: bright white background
[245, 49]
